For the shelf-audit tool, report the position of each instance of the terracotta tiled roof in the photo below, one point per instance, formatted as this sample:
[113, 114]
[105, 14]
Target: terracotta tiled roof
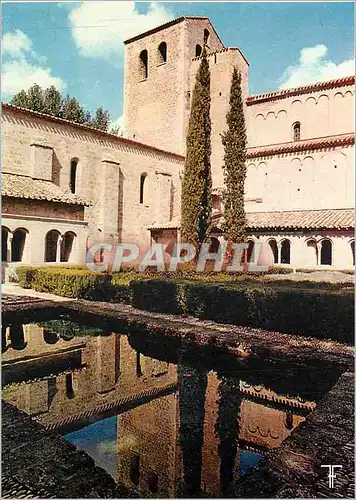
[95, 131]
[289, 220]
[309, 144]
[21, 186]
[303, 219]
[314, 87]
[172, 224]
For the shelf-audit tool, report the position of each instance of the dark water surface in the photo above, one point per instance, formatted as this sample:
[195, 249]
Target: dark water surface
[162, 418]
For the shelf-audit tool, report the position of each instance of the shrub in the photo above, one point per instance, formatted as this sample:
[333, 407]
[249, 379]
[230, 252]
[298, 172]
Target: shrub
[77, 283]
[314, 312]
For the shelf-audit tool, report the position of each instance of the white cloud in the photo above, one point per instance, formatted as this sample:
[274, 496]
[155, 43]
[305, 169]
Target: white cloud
[18, 75]
[315, 66]
[118, 122]
[118, 20]
[16, 44]
[23, 66]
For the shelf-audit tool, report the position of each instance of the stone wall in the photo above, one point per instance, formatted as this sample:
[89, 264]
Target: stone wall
[306, 180]
[320, 113]
[108, 176]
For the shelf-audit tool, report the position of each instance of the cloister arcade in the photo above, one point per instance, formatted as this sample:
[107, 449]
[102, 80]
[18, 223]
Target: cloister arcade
[297, 251]
[55, 245]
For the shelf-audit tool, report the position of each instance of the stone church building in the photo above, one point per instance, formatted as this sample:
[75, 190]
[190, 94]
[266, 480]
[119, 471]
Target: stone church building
[66, 186]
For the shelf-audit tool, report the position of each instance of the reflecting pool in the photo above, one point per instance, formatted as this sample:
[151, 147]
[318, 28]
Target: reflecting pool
[164, 419]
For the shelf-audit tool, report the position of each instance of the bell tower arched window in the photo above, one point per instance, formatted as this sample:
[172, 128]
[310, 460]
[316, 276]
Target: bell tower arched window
[206, 37]
[144, 64]
[296, 132]
[162, 53]
[198, 50]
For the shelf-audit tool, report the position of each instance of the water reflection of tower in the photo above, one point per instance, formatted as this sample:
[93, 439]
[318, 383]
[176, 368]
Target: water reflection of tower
[147, 438]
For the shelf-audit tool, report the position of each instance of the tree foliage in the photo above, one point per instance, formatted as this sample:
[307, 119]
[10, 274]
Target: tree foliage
[35, 98]
[234, 167]
[51, 102]
[101, 119]
[196, 204]
[20, 99]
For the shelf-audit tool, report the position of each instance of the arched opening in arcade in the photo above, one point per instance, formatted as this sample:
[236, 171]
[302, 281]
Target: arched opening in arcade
[4, 244]
[17, 337]
[285, 252]
[274, 249]
[51, 244]
[18, 244]
[214, 245]
[326, 253]
[67, 246]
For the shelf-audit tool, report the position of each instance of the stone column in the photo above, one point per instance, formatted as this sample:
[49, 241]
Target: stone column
[9, 247]
[279, 247]
[59, 245]
[318, 255]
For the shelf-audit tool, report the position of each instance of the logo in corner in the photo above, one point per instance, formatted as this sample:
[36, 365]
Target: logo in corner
[332, 475]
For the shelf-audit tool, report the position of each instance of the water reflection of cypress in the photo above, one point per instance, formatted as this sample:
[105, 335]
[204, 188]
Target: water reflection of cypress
[3, 338]
[192, 383]
[227, 429]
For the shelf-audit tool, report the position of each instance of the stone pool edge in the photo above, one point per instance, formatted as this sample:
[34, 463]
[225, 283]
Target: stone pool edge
[293, 470]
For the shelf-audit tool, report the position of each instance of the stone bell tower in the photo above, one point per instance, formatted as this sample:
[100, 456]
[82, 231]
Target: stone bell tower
[160, 70]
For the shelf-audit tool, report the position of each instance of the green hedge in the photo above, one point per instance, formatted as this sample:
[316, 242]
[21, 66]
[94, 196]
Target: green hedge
[76, 283]
[290, 307]
[311, 312]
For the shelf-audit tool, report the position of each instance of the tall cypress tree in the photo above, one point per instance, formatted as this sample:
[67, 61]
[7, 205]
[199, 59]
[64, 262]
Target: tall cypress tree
[234, 167]
[196, 205]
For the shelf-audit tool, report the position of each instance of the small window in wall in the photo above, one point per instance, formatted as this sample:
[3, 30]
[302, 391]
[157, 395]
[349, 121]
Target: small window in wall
[135, 469]
[352, 244]
[214, 245]
[138, 365]
[273, 246]
[69, 386]
[285, 252]
[326, 253]
[206, 37]
[144, 64]
[289, 420]
[142, 187]
[152, 481]
[162, 53]
[198, 50]
[73, 175]
[296, 132]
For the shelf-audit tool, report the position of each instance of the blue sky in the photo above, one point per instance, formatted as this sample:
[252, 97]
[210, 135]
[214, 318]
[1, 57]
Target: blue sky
[78, 46]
